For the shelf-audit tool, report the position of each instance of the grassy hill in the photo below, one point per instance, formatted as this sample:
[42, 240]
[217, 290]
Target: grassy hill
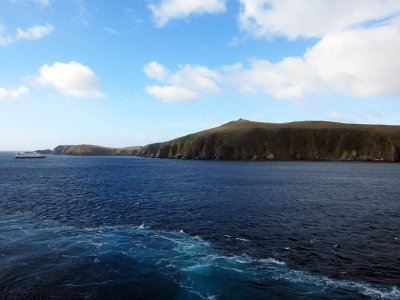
[95, 150]
[242, 139]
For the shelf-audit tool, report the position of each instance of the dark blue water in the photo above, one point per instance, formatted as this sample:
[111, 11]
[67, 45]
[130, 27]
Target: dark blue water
[130, 228]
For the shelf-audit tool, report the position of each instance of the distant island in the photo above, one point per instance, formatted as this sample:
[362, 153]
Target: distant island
[246, 140]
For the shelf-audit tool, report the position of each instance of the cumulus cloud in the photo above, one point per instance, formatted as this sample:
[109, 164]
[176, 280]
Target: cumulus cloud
[288, 79]
[356, 53]
[13, 94]
[188, 83]
[72, 79]
[310, 18]
[34, 32]
[362, 62]
[156, 71]
[359, 62]
[171, 93]
[197, 78]
[175, 9]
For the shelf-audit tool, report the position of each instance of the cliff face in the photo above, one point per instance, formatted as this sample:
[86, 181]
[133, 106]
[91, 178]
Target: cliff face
[266, 141]
[290, 141]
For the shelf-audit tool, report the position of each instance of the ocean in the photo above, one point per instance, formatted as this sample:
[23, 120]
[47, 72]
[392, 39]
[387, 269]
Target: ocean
[133, 228]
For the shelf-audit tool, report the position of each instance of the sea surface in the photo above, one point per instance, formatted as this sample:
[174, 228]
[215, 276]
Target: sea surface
[132, 228]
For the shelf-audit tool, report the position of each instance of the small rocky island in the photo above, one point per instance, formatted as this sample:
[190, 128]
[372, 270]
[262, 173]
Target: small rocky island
[246, 140]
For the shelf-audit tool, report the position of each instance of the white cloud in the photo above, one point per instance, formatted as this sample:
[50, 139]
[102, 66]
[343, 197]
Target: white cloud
[176, 9]
[4, 38]
[171, 93]
[358, 62]
[13, 94]
[288, 79]
[310, 18]
[72, 79]
[197, 78]
[357, 53]
[41, 2]
[190, 80]
[156, 71]
[34, 32]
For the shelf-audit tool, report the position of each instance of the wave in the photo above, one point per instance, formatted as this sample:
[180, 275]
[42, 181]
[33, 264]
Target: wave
[91, 261]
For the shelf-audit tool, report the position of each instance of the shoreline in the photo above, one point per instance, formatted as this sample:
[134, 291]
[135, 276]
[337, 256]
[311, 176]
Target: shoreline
[237, 160]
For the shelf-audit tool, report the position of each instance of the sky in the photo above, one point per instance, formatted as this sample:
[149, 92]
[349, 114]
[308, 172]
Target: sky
[133, 72]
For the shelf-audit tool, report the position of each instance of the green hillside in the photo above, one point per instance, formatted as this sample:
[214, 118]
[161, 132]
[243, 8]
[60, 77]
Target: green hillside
[95, 150]
[242, 139]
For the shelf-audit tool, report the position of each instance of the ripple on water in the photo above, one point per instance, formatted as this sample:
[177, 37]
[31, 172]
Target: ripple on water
[55, 261]
[80, 220]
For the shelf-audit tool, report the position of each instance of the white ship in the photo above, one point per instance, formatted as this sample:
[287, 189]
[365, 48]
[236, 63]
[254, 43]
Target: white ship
[29, 155]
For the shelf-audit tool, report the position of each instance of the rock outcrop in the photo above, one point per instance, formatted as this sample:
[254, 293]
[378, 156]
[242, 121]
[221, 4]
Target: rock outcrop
[289, 141]
[245, 140]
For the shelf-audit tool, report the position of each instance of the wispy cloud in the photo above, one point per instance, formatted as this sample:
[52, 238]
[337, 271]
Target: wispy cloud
[81, 12]
[258, 117]
[166, 10]
[111, 31]
[234, 42]
[135, 17]
[41, 2]
[71, 79]
[361, 116]
[13, 94]
[34, 32]
[5, 39]
[342, 116]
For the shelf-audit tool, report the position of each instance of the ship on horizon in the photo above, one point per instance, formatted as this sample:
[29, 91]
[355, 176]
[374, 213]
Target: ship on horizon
[29, 155]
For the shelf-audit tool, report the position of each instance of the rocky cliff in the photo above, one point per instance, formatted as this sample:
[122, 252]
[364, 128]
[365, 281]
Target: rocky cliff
[244, 139]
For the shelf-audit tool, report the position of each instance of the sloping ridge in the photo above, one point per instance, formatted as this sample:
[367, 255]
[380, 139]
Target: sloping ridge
[95, 150]
[242, 139]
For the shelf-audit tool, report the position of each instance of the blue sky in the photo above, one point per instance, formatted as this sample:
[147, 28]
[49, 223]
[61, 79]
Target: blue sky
[133, 72]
